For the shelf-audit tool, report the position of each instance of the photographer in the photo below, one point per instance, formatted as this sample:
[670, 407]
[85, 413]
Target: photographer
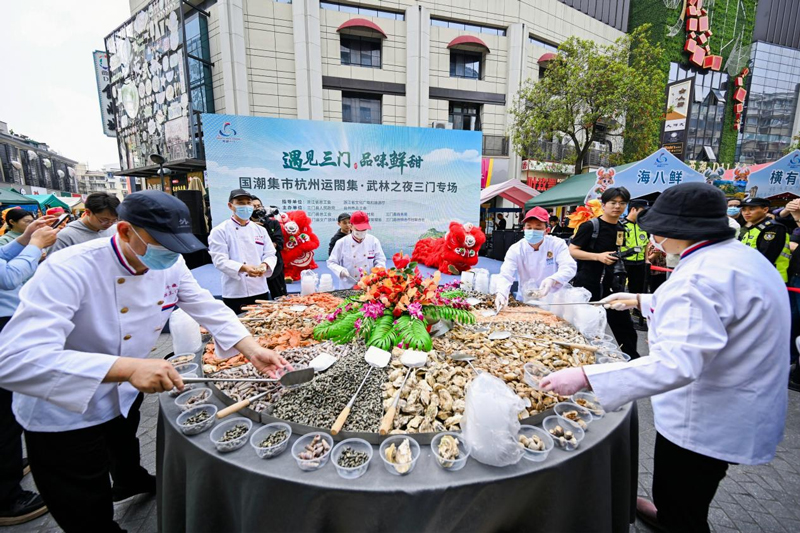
[262, 217]
[595, 247]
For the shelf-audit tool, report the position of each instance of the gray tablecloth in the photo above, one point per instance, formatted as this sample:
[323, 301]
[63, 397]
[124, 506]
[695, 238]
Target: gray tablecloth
[591, 489]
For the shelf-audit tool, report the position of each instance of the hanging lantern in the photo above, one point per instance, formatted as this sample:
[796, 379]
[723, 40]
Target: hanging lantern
[47, 163]
[32, 155]
[61, 174]
[16, 164]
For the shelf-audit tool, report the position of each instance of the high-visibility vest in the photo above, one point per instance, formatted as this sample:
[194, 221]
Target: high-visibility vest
[749, 236]
[634, 236]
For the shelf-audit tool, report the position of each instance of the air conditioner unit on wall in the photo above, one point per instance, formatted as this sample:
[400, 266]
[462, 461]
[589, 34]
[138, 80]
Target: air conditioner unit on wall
[441, 125]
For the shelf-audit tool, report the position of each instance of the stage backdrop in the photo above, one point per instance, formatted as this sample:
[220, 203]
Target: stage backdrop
[409, 180]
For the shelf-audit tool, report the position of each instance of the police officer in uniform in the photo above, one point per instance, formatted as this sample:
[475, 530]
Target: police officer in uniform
[635, 238]
[765, 235]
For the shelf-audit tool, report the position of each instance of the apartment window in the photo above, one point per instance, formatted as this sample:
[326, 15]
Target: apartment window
[542, 44]
[360, 51]
[199, 60]
[465, 64]
[369, 12]
[362, 108]
[495, 145]
[465, 116]
[477, 28]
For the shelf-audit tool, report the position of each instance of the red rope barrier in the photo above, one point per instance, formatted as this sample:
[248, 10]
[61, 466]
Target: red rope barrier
[662, 269]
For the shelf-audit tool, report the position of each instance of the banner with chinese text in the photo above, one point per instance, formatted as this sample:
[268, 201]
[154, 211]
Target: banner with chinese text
[409, 180]
[778, 178]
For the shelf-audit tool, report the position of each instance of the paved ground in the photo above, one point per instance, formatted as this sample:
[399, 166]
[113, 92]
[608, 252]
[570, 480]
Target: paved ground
[750, 499]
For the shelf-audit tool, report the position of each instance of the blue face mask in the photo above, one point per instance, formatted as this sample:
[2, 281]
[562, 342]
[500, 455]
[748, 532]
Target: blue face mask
[157, 257]
[734, 211]
[244, 211]
[534, 236]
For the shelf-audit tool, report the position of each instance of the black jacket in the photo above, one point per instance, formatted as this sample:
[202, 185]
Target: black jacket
[335, 238]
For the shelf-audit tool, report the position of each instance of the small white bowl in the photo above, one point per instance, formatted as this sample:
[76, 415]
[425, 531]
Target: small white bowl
[311, 464]
[187, 395]
[597, 410]
[451, 464]
[262, 433]
[398, 468]
[584, 415]
[552, 421]
[182, 359]
[536, 455]
[199, 427]
[359, 445]
[233, 444]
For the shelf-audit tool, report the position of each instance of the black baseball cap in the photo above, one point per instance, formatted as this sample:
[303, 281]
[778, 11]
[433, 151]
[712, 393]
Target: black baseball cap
[343, 216]
[755, 202]
[635, 204]
[236, 193]
[165, 218]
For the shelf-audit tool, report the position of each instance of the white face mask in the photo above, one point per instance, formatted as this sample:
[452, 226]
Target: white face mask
[658, 245]
[359, 235]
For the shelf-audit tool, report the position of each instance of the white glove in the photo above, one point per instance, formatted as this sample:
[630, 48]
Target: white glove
[500, 301]
[621, 301]
[344, 275]
[548, 284]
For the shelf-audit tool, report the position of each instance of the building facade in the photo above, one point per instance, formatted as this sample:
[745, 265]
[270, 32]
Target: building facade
[453, 64]
[103, 180]
[26, 163]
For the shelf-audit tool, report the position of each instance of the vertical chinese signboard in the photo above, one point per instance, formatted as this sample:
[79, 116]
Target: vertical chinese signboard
[409, 180]
[149, 86]
[104, 93]
[676, 117]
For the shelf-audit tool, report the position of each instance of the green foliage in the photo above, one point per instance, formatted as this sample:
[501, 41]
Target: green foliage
[341, 330]
[383, 335]
[432, 233]
[795, 145]
[462, 316]
[725, 28]
[588, 86]
[413, 333]
[455, 293]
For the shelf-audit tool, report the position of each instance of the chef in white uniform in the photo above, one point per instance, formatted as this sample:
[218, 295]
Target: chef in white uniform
[538, 258]
[357, 253]
[74, 354]
[717, 373]
[243, 252]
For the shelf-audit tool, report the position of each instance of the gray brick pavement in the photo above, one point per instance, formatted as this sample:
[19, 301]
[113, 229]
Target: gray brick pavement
[763, 498]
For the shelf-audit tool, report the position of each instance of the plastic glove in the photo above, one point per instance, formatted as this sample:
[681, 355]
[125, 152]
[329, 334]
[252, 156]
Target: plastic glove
[547, 286]
[344, 274]
[613, 302]
[500, 301]
[564, 382]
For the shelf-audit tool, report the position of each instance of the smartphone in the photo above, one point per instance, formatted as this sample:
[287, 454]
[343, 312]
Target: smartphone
[60, 220]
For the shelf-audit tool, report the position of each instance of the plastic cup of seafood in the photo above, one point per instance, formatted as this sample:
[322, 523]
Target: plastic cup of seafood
[536, 455]
[551, 423]
[615, 354]
[358, 445]
[584, 416]
[188, 370]
[262, 433]
[316, 463]
[589, 401]
[451, 463]
[400, 468]
[218, 434]
[193, 398]
[182, 358]
[193, 428]
[534, 373]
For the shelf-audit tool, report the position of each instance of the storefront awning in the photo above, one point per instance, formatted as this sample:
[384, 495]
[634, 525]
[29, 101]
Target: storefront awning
[467, 39]
[361, 23]
[512, 190]
[547, 57]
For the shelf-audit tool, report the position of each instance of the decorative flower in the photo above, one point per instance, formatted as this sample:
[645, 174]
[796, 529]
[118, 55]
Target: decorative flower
[592, 209]
[372, 309]
[357, 324]
[401, 260]
[415, 310]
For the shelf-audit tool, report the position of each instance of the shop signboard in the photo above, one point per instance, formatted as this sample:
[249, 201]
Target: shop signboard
[149, 86]
[409, 180]
[104, 93]
[676, 117]
[781, 177]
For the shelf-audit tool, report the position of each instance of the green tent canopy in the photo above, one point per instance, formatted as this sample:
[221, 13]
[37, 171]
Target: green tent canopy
[571, 191]
[46, 201]
[9, 198]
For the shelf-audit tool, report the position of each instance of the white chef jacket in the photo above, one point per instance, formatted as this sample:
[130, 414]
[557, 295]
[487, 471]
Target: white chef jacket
[84, 307]
[351, 256]
[551, 260]
[719, 352]
[231, 245]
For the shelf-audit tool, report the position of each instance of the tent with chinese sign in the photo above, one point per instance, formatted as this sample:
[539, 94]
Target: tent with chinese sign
[512, 190]
[780, 178]
[9, 198]
[46, 201]
[571, 191]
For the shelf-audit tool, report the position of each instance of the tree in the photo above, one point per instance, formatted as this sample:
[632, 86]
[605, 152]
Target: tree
[794, 145]
[590, 91]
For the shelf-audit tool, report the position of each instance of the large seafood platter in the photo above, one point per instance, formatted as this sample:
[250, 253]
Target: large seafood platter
[396, 311]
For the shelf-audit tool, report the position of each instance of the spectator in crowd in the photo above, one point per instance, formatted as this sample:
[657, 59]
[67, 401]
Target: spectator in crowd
[75, 356]
[635, 243]
[595, 247]
[556, 229]
[16, 219]
[656, 258]
[540, 259]
[243, 253]
[793, 209]
[718, 333]
[275, 282]
[765, 235]
[97, 222]
[344, 230]
[735, 210]
[20, 257]
[501, 222]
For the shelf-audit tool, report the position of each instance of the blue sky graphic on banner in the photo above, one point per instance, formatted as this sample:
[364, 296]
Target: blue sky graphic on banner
[408, 180]
[780, 177]
[655, 173]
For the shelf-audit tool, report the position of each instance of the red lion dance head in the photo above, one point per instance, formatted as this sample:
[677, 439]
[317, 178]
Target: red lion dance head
[454, 253]
[299, 243]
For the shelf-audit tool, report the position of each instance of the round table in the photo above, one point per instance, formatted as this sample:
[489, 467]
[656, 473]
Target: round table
[590, 489]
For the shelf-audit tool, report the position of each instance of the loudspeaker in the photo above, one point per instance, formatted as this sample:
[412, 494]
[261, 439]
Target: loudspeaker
[194, 201]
